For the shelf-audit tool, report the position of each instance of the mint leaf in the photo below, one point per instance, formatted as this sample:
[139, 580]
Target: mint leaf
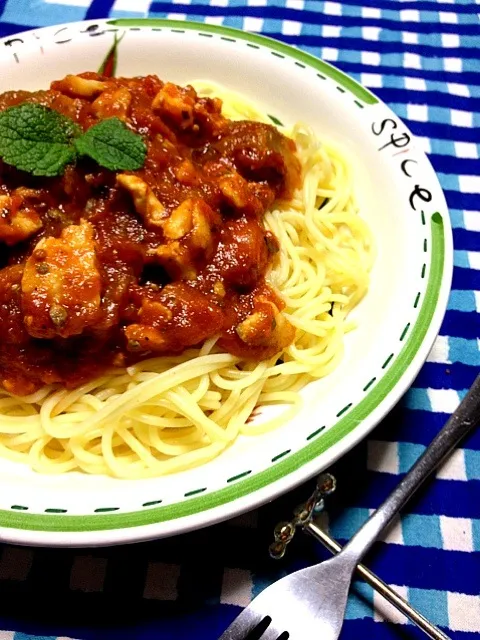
[36, 139]
[113, 145]
[42, 141]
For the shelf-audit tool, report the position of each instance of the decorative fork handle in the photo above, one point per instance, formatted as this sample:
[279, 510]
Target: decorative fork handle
[379, 585]
[304, 518]
[459, 424]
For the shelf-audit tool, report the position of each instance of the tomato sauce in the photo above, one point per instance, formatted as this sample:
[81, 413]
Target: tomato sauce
[101, 268]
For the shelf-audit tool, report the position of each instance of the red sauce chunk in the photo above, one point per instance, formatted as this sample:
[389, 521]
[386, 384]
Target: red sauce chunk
[101, 268]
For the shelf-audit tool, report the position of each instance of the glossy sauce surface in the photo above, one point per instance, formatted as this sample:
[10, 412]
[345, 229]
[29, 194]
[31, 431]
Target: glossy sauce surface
[101, 268]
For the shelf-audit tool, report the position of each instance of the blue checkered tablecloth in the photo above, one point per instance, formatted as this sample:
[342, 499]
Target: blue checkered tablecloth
[421, 57]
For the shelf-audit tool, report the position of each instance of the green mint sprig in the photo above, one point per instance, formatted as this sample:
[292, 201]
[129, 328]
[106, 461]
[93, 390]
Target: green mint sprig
[36, 139]
[42, 141]
[112, 145]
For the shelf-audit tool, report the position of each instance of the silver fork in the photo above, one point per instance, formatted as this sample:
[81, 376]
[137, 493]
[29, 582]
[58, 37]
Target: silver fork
[312, 601]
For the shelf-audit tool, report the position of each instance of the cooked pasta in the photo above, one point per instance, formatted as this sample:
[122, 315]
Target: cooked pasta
[169, 413]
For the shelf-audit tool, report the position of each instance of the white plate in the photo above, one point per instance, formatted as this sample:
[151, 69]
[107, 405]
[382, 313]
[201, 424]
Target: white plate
[402, 201]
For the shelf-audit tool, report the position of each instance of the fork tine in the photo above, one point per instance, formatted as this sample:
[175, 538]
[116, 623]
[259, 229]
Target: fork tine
[265, 630]
[243, 625]
[250, 626]
[271, 633]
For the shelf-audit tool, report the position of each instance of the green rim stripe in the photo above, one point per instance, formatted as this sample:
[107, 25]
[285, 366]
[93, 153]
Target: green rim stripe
[369, 384]
[151, 503]
[379, 391]
[315, 433]
[275, 46]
